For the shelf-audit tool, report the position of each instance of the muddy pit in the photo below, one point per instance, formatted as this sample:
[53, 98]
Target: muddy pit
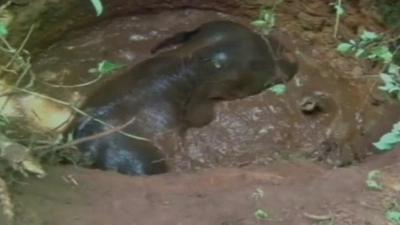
[257, 130]
[263, 142]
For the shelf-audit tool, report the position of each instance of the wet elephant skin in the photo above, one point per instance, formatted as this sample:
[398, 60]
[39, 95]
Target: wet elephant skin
[175, 90]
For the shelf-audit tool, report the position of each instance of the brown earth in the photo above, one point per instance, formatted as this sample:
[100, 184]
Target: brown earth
[291, 193]
[261, 144]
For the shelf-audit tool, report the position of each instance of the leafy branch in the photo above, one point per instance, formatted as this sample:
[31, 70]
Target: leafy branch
[375, 47]
[267, 18]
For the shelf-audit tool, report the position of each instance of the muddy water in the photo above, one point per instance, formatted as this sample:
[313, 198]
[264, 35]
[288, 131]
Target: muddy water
[256, 130]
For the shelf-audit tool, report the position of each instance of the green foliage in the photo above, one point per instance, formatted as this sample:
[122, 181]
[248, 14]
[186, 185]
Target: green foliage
[278, 89]
[266, 21]
[4, 122]
[267, 18]
[381, 53]
[3, 30]
[98, 6]
[339, 10]
[373, 180]
[369, 37]
[393, 216]
[105, 67]
[346, 48]
[391, 83]
[261, 214]
[389, 140]
[370, 46]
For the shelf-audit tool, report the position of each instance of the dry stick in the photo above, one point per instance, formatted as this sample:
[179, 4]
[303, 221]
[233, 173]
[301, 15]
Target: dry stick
[8, 3]
[78, 111]
[17, 53]
[73, 85]
[95, 136]
[10, 48]
[8, 70]
[318, 217]
[6, 204]
[21, 77]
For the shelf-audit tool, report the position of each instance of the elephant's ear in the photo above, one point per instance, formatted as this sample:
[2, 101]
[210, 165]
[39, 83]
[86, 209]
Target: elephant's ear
[178, 38]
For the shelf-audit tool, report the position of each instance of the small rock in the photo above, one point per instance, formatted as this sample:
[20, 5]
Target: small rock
[309, 105]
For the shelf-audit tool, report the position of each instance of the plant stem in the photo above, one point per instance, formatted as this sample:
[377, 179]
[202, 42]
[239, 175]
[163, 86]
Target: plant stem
[338, 5]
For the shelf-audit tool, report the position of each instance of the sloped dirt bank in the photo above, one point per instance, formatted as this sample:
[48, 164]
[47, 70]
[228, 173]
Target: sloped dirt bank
[292, 194]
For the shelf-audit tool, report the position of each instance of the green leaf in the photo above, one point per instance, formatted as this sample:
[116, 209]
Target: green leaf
[374, 174]
[368, 36]
[372, 181]
[345, 48]
[393, 69]
[107, 67]
[381, 53]
[360, 53]
[3, 30]
[261, 214]
[259, 23]
[278, 89]
[268, 15]
[389, 140]
[4, 121]
[393, 216]
[374, 185]
[339, 10]
[263, 12]
[98, 6]
[271, 22]
[391, 85]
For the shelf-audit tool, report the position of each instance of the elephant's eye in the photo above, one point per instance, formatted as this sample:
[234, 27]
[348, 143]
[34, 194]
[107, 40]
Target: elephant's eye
[219, 59]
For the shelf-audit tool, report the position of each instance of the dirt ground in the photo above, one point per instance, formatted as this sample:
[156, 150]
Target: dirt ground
[291, 193]
[260, 153]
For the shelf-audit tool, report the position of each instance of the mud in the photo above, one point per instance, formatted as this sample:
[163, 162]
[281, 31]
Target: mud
[253, 131]
[296, 193]
[263, 142]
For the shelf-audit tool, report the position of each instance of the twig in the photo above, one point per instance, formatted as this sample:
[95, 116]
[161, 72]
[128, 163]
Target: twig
[74, 85]
[318, 217]
[74, 108]
[94, 136]
[21, 47]
[5, 5]
[21, 77]
[16, 55]
[337, 20]
[6, 205]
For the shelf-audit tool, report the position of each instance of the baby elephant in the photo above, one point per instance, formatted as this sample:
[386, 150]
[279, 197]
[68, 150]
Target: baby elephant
[175, 90]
